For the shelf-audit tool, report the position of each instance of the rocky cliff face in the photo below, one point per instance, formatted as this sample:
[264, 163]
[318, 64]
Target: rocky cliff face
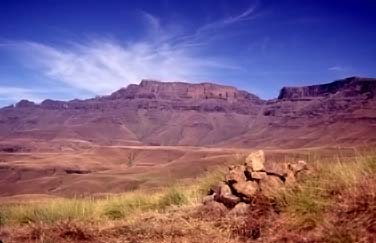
[160, 113]
[348, 87]
[152, 112]
[338, 113]
[151, 89]
[204, 97]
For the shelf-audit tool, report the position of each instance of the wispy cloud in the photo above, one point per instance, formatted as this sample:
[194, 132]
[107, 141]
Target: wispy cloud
[337, 69]
[157, 31]
[246, 15]
[153, 21]
[9, 94]
[100, 66]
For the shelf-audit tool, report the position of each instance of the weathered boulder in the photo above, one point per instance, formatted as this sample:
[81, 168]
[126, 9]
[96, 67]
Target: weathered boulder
[298, 167]
[208, 199]
[212, 209]
[226, 197]
[236, 174]
[246, 189]
[270, 184]
[220, 189]
[290, 178]
[276, 169]
[259, 175]
[229, 200]
[244, 183]
[240, 209]
[294, 170]
[255, 161]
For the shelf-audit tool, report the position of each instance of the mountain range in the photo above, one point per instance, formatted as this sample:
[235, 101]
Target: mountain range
[340, 113]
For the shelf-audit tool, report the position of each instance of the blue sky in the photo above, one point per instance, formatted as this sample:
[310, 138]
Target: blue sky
[65, 49]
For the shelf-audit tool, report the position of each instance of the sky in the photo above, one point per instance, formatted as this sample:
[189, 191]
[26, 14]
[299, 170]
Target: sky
[66, 49]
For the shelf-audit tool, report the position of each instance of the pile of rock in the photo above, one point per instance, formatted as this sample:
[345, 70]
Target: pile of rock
[243, 182]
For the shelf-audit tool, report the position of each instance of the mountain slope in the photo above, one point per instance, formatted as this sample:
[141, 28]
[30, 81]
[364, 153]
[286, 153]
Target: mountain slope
[156, 113]
[338, 113]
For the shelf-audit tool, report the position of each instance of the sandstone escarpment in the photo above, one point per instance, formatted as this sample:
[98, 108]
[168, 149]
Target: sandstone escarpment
[151, 89]
[348, 87]
[174, 113]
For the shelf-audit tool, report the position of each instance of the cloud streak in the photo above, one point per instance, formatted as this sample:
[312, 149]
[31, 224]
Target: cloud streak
[337, 69]
[100, 66]
[246, 15]
[9, 94]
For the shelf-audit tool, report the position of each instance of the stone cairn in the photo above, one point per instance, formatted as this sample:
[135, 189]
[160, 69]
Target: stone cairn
[244, 182]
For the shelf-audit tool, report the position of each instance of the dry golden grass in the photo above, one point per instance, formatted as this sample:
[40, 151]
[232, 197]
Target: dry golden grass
[90, 209]
[334, 202]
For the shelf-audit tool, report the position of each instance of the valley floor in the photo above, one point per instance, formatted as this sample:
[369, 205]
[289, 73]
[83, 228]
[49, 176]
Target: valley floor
[99, 170]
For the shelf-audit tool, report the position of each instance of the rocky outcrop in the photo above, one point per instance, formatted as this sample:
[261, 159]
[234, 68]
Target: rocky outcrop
[151, 89]
[245, 182]
[347, 87]
[25, 104]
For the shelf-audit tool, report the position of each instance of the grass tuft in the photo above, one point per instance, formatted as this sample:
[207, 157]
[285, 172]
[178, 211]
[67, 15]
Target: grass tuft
[173, 196]
[309, 203]
[54, 210]
[121, 206]
[209, 180]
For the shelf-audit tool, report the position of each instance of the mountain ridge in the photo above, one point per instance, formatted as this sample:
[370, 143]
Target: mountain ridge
[353, 84]
[286, 92]
[205, 114]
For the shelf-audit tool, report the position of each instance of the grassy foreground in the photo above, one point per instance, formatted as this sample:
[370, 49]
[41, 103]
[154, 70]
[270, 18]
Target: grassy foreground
[90, 209]
[334, 202]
